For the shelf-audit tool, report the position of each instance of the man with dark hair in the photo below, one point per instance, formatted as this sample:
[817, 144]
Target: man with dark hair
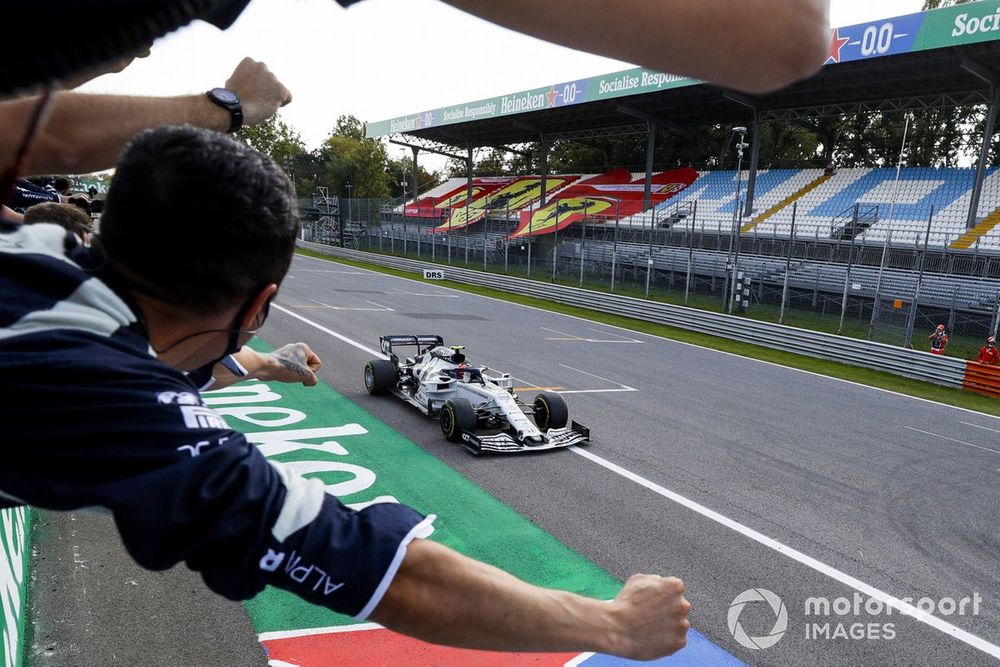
[102, 355]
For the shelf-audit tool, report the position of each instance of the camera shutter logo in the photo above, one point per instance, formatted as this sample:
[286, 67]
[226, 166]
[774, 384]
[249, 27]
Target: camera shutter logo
[780, 618]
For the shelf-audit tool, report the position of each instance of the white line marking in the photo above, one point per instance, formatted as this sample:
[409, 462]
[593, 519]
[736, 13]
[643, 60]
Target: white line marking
[810, 562]
[961, 442]
[380, 308]
[623, 386]
[571, 337]
[579, 660]
[681, 342]
[612, 333]
[982, 427]
[596, 391]
[746, 531]
[330, 332]
[436, 296]
[288, 634]
[343, 273]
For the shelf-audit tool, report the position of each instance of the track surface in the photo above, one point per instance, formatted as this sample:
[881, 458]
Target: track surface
[895, 492]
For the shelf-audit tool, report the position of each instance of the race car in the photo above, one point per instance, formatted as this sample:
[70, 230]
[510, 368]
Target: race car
[439, 382]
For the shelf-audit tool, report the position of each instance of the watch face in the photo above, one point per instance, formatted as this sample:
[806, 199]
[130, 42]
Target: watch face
[224, 95]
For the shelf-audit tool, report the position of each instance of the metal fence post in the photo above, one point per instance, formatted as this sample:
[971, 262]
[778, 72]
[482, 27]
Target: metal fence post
[847, 276]
[788, 264]
[878, 282]
[583, 247]
[555, 247]
[907, 341]
[614, 246]
[506, 234]
[687, 280]
[996, 320]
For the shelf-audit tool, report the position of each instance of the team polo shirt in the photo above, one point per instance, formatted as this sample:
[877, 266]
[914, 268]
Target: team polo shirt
[92, 419]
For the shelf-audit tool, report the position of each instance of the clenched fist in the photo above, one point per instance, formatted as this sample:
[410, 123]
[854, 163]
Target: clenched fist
[651, 617]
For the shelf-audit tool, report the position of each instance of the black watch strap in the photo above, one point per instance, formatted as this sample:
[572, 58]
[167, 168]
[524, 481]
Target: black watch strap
[230, 101]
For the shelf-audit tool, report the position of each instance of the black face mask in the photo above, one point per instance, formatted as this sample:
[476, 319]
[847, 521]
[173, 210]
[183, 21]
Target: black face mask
[202, 375]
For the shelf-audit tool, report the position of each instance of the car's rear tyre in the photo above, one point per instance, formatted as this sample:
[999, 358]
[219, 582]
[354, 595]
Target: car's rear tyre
[457, 416]
[550, 411]
[380, 376]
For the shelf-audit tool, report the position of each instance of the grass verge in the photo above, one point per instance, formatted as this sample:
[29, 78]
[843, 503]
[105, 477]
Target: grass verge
[880, 379]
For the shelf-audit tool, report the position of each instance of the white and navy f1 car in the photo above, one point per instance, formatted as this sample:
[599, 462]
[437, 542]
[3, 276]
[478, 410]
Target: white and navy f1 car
[440, 383]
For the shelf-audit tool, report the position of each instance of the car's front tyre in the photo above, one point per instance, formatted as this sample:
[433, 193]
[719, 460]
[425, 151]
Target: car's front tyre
[551, 411]
[457, 416]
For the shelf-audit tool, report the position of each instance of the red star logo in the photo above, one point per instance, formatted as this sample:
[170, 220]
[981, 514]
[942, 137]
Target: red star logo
[836, 45]
[553, 96]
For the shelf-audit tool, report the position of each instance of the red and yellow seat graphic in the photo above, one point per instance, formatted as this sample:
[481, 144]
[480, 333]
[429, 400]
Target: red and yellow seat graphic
[511, 197]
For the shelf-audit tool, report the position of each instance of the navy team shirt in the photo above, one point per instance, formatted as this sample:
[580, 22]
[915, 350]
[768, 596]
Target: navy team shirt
[92, 419]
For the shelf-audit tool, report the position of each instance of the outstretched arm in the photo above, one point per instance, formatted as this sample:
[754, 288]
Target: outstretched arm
[294, 363]
[85, 133]
[750, 45]
[443, 597]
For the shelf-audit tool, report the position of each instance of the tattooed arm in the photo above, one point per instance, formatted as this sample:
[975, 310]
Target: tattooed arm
[294, 362]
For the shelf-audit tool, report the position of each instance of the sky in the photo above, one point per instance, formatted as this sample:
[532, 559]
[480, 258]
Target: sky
[380, 59]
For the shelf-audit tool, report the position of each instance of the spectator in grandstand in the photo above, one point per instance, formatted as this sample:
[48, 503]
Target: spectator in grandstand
[938, 339]
[94, 418]
[68, 216]
[831, 168]
[988, 353]
[85, 133]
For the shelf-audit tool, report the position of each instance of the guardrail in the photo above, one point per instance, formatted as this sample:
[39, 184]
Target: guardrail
[914, 364]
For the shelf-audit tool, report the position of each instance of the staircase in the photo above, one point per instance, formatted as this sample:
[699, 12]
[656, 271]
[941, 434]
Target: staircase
[786, 202]
[969, 238]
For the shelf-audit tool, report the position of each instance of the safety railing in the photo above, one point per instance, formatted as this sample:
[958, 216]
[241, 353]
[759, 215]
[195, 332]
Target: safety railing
[909, 363]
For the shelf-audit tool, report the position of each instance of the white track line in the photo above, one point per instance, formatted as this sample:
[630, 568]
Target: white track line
[330, 332]
[288, 634]
[982, 427]
[810, 562]
[680, 342]
[624, 387]
[961, 442]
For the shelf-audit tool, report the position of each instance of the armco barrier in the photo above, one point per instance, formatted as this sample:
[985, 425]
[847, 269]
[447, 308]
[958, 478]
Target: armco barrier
[914, 364]
[982, 379]
[15, 547]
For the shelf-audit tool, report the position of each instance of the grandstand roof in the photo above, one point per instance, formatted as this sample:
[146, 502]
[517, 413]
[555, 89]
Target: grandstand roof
[937, 58]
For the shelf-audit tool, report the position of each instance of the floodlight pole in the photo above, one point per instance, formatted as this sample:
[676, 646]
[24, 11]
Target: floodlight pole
[734, 242]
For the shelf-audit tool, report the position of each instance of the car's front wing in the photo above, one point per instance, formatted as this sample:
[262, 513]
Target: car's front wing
[504, 443]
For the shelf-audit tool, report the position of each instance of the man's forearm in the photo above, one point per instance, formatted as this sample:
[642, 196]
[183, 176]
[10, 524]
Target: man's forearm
[85, 133]
[443, 597]
[440, 596]
[751, 45]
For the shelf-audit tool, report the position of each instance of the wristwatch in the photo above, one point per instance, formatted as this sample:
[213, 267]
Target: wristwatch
[229, 101]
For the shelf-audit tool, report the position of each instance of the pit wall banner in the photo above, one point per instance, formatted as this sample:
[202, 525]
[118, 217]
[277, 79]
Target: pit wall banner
[598, 197]
[15, 545]
[911, 33]
[516, 195]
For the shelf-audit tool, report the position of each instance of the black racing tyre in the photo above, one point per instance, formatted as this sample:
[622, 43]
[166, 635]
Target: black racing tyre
[457, 416]
[380, 376]
[550, 411]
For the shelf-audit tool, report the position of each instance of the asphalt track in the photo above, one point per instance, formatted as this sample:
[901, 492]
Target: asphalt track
[731, 473]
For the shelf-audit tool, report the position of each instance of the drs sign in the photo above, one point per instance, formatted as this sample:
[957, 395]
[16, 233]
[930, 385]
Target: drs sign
[433, 274]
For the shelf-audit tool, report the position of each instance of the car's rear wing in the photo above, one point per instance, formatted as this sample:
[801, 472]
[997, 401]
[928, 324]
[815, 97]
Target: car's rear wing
[421, 342]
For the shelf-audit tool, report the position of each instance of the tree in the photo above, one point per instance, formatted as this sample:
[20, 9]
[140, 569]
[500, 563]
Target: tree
[347, 156]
